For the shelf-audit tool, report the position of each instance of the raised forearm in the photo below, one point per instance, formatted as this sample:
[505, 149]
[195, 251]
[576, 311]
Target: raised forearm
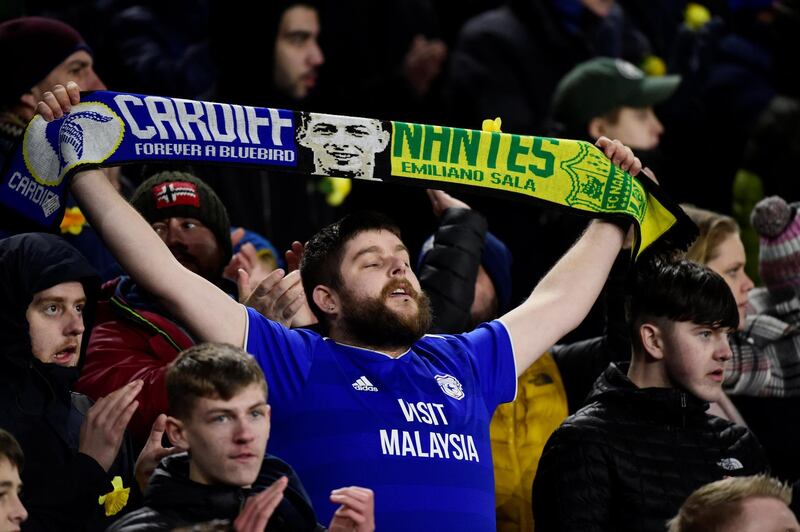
[195, 301]
[448, 271]
[565, 295]
[575, 282]
[129, 237]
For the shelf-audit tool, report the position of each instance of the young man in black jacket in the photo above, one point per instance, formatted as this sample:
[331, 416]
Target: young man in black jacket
[217, 396]
[74, 449]
[644, 442]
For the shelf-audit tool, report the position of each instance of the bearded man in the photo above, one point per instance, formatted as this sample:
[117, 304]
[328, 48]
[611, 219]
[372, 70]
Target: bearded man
[373, 402]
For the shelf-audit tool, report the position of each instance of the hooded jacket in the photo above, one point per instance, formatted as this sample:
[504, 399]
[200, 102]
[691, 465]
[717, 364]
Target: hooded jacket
[631, 456]
[173, 500]
[134, 338]
[62, 486]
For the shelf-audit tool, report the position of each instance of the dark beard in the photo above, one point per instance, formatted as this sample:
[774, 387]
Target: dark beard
[374, 325]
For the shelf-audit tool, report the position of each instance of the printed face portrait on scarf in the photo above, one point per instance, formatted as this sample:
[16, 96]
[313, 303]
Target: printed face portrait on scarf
[343, 146]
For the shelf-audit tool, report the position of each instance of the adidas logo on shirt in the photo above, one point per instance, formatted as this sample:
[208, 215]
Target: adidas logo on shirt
[363, 385]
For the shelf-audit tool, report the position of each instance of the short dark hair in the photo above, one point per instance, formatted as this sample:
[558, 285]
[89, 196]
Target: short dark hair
[10, 449]
[305, 119]
[322, 258]
[679, 290]
[210, 370]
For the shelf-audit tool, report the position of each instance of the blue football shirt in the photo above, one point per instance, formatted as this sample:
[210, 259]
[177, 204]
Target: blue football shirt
[414, 429]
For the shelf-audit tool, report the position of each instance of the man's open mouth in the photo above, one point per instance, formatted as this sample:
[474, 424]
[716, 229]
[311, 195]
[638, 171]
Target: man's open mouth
[65, 355]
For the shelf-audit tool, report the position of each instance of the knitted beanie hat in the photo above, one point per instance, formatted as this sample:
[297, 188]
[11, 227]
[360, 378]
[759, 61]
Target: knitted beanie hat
[778, 226]
[179, 194]
[496, 259]
[264, 248]
[31, 47]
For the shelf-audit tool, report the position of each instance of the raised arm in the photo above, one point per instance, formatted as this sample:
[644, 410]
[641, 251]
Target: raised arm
[448, 270]
[565, 295]
[210, 313]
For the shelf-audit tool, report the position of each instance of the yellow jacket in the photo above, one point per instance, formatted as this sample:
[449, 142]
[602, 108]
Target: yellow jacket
[519, 431]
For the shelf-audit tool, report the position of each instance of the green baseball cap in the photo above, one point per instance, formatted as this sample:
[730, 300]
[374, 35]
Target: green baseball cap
[600, 85]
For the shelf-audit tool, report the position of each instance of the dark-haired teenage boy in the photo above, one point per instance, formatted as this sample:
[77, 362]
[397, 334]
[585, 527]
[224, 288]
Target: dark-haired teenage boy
[643, 442]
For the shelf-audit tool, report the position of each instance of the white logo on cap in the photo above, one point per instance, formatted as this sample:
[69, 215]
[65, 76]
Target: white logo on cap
[628, 70]
[730, 464]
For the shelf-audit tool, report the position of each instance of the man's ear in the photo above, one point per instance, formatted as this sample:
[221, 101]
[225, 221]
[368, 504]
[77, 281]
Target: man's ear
[597, 127]
[652, 340]
[326, 299]
[177, 433]
[383, 139]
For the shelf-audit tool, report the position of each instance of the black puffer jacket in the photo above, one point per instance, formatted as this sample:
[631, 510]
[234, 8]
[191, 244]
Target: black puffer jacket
[172, 500]
[448, 270]
[631, 456]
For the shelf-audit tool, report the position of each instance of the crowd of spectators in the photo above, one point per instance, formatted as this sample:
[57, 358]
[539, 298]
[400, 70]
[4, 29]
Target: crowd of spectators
[517, 370]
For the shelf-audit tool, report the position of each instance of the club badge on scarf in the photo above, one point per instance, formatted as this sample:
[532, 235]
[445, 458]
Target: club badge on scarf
[111, 129]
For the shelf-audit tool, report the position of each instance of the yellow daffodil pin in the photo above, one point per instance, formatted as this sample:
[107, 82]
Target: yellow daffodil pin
[73, 221]
[696, 16]
[492, 126]
[336, 189]
[116, 499]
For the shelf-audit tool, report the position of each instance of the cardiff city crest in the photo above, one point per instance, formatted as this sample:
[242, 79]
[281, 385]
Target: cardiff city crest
[450, 386]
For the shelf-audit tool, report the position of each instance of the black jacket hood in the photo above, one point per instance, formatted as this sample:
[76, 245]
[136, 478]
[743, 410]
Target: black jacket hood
[30, 263]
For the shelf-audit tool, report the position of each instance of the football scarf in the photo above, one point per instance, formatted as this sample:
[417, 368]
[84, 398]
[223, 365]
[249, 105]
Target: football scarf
[112, 129]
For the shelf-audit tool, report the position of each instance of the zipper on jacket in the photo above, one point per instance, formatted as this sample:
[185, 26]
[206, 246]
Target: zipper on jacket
[242, 498]
[683, 409]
